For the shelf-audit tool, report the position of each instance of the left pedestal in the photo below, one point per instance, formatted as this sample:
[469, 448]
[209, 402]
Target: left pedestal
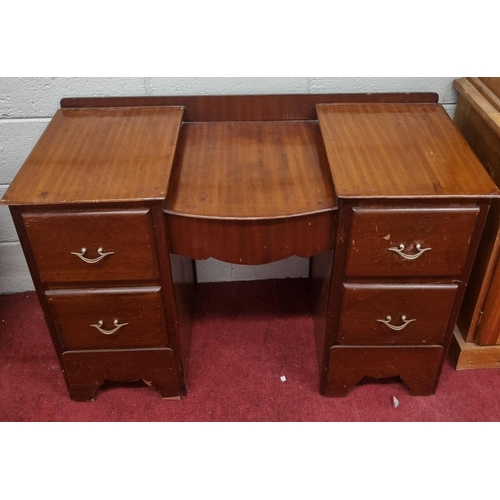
[88, 209]
[104, 280]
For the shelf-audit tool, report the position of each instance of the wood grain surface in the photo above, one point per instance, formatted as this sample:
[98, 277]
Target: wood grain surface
[139, 309]
[86, 371]
[482, 100]
[272, 107]
[470, 356]
[399, 150]
[482, 273]
[320, 276]
[100, 155]
[418, 367]
[250, 170]
[251, 242]
[426, 307]
[478, 118]
[492, 83]
[446, 232]
[55, 237]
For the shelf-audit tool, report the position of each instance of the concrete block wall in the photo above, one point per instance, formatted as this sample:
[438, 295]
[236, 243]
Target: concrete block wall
[27, 104]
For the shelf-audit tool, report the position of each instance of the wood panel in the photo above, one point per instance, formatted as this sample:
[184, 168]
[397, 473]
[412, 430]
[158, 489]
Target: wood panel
[139, 310]
[478, 119]
[178, 296]
[492, 83]
[56, 237]
[250, 170]
[251, 242]
[320, 274]
[488, 328]
[418, 367]
[184, 286]
[425, 308]
[86, 371]
[470, 356]
[100, 155]
[399, 150]
[479, 122]
[443, 236]
[480, 280]
[247, 107]
[482, 100]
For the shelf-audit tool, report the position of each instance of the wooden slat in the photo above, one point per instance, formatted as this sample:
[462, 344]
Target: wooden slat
[493, 84]
[248, 107]
[486, 92]
[472, 117]
[481, 276]
[489, 112]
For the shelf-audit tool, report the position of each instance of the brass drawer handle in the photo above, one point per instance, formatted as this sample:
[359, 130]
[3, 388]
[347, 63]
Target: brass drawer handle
[387, 322]
[108, 332]
[400, 251]
[100, 251]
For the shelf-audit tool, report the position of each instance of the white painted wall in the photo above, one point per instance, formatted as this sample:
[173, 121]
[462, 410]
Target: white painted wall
[26, 105]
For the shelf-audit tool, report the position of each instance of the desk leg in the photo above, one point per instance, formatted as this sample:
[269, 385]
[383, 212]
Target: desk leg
[184, 289]
[320, 273]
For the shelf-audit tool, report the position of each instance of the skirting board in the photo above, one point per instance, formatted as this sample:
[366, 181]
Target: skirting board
[469, 356]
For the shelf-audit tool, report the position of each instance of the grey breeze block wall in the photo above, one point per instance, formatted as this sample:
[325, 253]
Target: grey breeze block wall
[27, 104]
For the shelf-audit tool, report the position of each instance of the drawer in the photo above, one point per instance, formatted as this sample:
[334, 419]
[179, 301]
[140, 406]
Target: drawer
[119, 318]
[410, 242]
[373, 314]
[67, 245]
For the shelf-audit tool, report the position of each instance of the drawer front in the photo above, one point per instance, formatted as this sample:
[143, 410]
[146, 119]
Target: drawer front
[109, 319]
[395, 314]
[410, 242]
[67, 245]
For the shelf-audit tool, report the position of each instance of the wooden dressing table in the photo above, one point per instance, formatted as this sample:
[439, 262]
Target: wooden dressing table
[121, 194]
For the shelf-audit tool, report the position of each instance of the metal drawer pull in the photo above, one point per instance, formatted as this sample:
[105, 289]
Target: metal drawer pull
[108, 332]
[387, 322]
[400, 251]
[100, 251]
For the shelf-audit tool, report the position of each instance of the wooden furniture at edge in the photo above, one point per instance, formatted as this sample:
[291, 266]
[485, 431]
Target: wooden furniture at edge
[121, 194]
[476, 342]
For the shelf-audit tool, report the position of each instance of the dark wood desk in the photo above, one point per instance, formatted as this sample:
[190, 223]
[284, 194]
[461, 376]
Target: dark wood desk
[120, 195]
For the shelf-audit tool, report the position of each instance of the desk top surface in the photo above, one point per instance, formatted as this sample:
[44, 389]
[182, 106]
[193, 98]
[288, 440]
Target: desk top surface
[400, 151]
[250, 170]
[100, 155]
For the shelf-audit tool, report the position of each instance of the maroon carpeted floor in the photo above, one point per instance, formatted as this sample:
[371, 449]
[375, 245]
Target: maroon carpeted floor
[246, 336]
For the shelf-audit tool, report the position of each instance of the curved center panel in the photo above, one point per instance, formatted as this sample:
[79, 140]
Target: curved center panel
[251, 242]
[250, 170]
[250, 192]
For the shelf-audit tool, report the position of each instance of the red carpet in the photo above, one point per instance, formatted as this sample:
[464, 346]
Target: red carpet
[246, 336]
